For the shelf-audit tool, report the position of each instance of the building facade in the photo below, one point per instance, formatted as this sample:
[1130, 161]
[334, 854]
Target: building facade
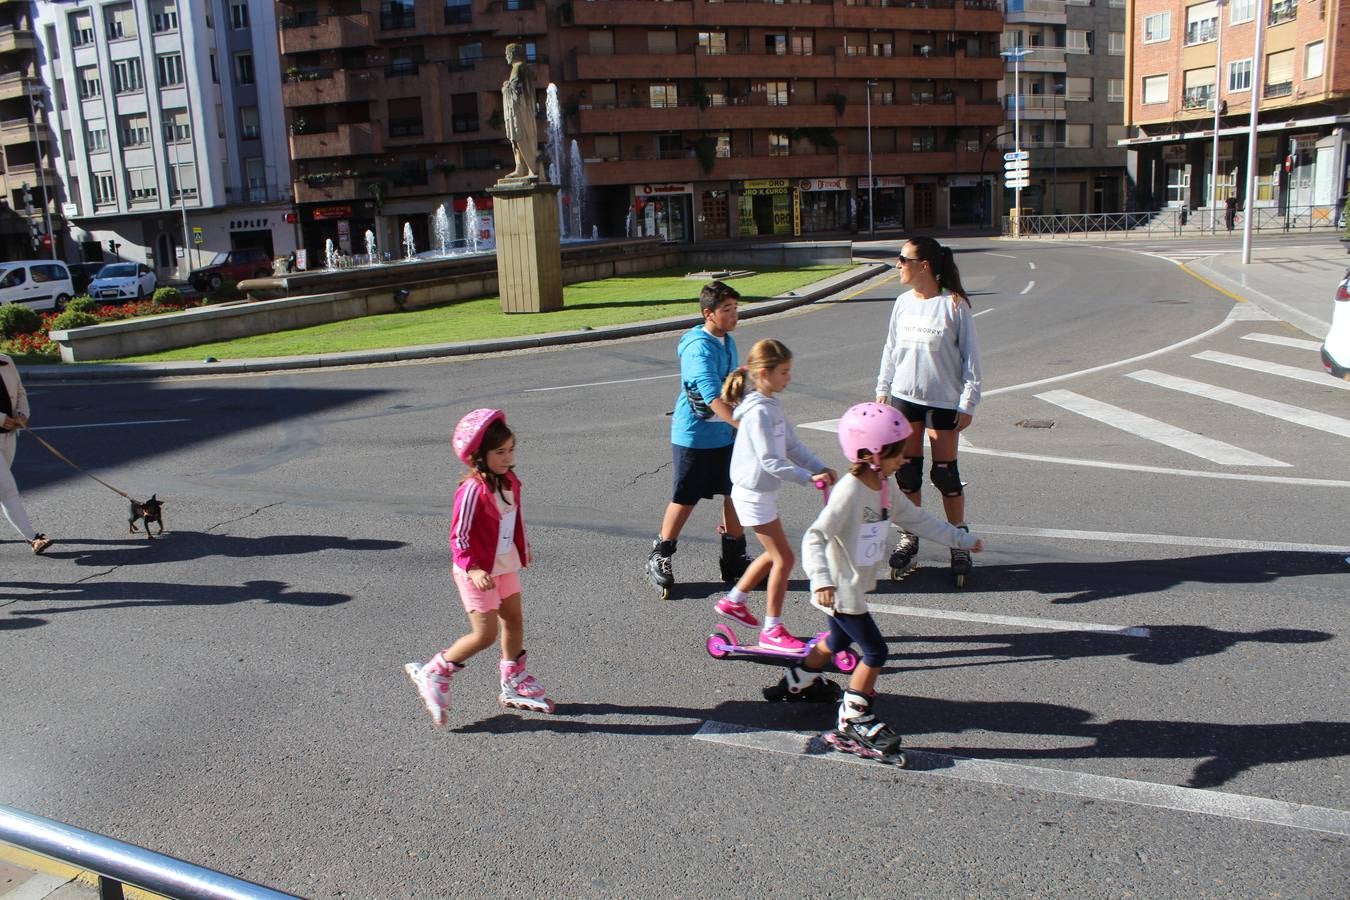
[692, 120]
[1189, 62]
[172, 143]
[28, 211]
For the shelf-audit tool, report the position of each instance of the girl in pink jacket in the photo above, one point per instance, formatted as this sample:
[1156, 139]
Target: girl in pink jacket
[487, 541]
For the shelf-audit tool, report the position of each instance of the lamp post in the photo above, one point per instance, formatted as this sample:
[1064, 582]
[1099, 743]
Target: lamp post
[1016, 54]
[38, 106]
[871, 207]
[1218, 93]
[1257, 77]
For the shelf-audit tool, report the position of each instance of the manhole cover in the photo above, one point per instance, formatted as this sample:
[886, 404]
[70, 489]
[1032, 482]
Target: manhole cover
[1036, 423]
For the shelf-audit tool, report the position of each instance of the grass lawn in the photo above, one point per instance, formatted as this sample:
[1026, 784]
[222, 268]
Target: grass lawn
[610, 301]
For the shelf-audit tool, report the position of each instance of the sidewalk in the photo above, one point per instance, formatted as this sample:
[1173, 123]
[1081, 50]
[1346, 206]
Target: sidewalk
[24, 876]
[792, 299]
[1295, 284]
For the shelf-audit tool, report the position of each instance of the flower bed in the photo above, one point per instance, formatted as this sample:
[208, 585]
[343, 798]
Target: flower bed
[38, 343]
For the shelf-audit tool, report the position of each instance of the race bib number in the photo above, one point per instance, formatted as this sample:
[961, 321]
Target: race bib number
[871, 544]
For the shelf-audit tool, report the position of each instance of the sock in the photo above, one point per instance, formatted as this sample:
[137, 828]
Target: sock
[736, 595]
[770, 621]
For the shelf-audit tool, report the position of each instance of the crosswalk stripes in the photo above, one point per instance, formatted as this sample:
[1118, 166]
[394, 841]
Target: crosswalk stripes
[1272, 368]
[1281, 341]
[1285, 411]
[1159, 432]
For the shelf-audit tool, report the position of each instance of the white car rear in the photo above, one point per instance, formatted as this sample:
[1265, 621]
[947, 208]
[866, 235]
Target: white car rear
[36, 283]
[117, 282]
[1336, 347]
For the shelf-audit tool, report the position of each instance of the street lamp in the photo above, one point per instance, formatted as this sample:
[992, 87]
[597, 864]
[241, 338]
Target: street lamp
[871, 207]
[1016, 54]
[1218, 92]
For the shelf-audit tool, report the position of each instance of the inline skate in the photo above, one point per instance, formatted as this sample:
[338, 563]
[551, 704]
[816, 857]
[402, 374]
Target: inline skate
[734, 560]
[658, 568]
[862, 734]
[520, 690]
[799, 685]
[905, 552]
[961, 564]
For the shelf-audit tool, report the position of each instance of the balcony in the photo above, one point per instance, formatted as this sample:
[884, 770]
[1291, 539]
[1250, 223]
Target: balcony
[744, 64]
[13, 38]
[760, 13]
[933, 66]
[1035, 12]
[18, 131]
[325, 190]
[757, 113]
[1041, 59]
[632, 12]
[17, 84]
[1197, 97]
[1282, 89]
[643, 67]
[353, 139]
[909, 15]
[1201, 32]
[330, 33]
[332, 86]
[641, 118]
[513, 18]
[1037, 107]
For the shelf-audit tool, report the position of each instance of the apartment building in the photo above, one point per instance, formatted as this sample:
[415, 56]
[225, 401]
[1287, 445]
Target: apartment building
[28, 213]
[172, 138]
[694, 120]
[1070, 102]
[1189, 61]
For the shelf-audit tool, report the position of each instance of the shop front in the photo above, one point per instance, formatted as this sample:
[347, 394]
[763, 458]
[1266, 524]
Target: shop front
[824, 204]
[968, 199]
[664, 211]
[886, 193]
[765, 207]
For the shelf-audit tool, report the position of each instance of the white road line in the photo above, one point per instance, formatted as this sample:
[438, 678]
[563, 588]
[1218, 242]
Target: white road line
[1037, 778]
[1004, 255]
[568, 387]
[1283, 341]
[1032, 264]
[1013, 621]
[108, 424]
[1027, 289]
[1166, 540]
[1159, 432]
[1289, 413]
[1270, 368]
[983, 311]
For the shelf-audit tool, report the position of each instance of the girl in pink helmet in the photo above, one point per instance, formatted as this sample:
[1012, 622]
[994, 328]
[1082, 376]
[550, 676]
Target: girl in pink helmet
[841, 553]
[487, 541]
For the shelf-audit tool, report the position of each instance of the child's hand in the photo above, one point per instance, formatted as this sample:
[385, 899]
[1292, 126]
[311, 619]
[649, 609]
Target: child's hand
[826, 477]
[481, 580]
[825, 597]
[979, 546]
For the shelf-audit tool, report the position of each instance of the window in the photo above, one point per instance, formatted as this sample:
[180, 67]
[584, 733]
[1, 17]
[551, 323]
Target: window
[607, 146]
[1240, 75]
[184, 174]
[464, 113]
[135, 130]
[397, 14]
[713, 43]
[405, 117]
[1077, 41]
[775, 44]
[1202, 22]
[177, 126]
[170, 69]
[243, 68]
[105, 190]
[238, 13]
[89, 85]
[163, 16]
[662, 42]
[127, 75]
[1242, 11]
[663, 96]
[1078, 88]
[215, 76]
[923, 140]
[722, 142]
[1313, 60]
[778, 143]
[1155, 89]
[81, 28]
[669, 146]
[248, 122]
[1283, 11]
[1279, 74]
[775, 92]
[1115, 43]
[601, 43]
[803, 45]
[255, 173]
[1115, 90]
[458, 12]
[406, 60]
[142, 184]
[96, 137]
[1077, 135]
[119, 22]
[1198, 89]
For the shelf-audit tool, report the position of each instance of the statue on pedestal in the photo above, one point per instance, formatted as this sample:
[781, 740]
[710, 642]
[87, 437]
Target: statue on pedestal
[518, 112]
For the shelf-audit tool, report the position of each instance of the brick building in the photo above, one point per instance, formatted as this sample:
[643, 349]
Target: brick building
[1174, 86]
[694, 120]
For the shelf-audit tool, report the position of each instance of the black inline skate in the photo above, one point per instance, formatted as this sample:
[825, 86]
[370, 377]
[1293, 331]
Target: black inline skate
[961, 564]
[658, 568]
[862, 734]
[734, 560]
[904, 554]
[800, 685]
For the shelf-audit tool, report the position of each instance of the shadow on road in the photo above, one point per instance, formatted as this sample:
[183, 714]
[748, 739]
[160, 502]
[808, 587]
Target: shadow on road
[91, 595]
[579, 718]
[182, 546]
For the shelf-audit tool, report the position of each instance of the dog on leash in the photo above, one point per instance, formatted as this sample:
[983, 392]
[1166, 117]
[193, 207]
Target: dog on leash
[146, 511]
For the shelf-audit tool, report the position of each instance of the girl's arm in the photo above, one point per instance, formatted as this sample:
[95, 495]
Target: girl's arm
[801, 454]
[921, 522]
[468, 502]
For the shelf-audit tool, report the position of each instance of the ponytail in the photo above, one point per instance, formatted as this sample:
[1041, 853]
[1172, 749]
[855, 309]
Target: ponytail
[943, 263]
[765, 354]
[733, 389]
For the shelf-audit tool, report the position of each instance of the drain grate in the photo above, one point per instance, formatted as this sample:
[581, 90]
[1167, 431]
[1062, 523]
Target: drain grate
[1036, 423]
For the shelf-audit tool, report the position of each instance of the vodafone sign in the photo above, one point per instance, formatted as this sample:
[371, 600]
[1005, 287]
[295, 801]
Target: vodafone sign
[656, 190]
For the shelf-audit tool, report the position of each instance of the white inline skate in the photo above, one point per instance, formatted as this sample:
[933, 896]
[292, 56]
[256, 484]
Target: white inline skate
[520, 690]
[861, 733]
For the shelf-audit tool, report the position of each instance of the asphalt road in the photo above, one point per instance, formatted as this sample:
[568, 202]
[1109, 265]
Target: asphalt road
[1136, 693]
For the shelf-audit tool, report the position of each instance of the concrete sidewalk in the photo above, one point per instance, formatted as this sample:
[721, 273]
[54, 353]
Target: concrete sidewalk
[1295, 284]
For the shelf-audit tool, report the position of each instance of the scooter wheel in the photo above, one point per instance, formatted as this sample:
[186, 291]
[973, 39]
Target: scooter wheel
[718, 647]
[846, 661]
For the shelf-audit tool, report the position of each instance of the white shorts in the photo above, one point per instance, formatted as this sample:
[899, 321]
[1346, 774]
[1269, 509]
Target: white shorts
[753, 507]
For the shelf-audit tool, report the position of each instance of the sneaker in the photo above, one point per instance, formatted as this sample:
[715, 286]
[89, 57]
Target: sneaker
[433, 686]
[780, 639]
[736, 611]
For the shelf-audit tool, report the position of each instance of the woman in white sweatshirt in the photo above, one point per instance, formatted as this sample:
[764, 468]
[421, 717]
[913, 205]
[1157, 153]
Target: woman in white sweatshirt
[766, 454]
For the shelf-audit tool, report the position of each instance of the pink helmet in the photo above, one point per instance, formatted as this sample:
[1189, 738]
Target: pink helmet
[469, 432]
[871, 426]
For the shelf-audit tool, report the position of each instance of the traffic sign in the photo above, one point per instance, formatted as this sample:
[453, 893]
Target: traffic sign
[1017, 154]
[1015, 183]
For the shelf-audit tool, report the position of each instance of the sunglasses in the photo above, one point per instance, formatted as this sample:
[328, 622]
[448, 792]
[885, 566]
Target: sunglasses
[908, 259]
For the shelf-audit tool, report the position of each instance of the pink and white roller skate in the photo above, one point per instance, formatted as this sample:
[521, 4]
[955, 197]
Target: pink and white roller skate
[520, 690]
[433, 685]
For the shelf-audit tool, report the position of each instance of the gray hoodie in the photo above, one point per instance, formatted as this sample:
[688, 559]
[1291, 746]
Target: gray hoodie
[767, 451]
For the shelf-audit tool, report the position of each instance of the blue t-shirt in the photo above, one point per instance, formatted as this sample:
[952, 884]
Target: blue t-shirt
[705, 362]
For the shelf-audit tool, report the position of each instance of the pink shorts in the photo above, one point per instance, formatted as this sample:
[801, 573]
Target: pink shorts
[476, 600]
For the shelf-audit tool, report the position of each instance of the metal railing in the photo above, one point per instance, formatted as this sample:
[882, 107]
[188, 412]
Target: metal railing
[1173, 221]
[118, 863]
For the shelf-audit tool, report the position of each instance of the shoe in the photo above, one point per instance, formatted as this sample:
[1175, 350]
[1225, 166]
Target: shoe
[433, 686]
[737, 612]
[781, 640]
[40, 543]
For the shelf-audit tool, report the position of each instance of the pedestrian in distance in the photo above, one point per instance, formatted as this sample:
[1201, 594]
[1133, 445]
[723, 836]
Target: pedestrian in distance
[1230, 212]
[766, 454]
[14, 416]
[702, 432]
[930, 370]
[487, 542]
[841, 553]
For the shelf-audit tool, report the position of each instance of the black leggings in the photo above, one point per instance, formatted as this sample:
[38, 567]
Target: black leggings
[862, 630]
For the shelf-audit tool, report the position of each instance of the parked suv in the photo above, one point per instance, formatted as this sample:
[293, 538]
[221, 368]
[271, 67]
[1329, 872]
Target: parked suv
[231, 265]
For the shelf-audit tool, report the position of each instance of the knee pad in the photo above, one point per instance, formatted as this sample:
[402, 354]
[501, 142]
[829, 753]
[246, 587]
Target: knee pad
[946, 478]
[910, 474]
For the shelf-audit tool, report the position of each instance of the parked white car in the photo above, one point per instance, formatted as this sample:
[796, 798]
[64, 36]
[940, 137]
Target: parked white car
[121, 281]
[1336, 347]
[36, 283]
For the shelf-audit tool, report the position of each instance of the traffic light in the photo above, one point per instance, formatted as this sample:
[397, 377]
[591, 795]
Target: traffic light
[112, 246]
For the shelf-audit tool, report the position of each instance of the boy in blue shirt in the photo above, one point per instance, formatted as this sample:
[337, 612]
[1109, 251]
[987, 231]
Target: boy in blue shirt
[702, 433]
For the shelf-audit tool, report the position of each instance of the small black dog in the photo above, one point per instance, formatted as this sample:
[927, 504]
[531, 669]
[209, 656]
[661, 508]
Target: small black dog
[148, 511]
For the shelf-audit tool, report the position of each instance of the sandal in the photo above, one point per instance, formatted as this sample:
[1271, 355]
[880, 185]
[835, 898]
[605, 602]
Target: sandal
[40, 543]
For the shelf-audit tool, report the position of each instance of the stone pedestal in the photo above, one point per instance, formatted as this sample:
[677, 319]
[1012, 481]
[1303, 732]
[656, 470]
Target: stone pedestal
[529, 258]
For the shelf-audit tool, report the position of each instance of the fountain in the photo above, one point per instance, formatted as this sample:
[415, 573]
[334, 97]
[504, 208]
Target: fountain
[409, 247]
[330, 255]
[441, 228]
[471, 225]
[577, 179]
[628, 223]
[554, 147]
[595, 232]
[371, 257]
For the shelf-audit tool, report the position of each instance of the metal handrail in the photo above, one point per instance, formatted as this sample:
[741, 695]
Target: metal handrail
[1171, 221]
[118, 863]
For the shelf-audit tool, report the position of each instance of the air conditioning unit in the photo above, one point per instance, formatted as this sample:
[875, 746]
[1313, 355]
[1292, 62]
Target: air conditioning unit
[1212, 104]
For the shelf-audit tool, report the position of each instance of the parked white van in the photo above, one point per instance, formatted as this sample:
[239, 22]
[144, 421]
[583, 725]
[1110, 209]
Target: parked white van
[36, 283]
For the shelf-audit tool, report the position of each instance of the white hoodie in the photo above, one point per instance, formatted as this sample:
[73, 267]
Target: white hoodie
[767, 451]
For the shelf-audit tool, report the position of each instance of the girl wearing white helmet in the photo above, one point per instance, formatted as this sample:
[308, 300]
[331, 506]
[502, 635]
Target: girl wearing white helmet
[487, 540]
[841, 553]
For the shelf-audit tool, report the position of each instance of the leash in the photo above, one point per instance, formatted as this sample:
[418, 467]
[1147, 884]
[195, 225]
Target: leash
[65, 459]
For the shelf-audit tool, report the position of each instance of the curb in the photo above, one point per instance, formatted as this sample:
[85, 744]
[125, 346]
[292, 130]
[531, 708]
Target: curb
[101, 371]
[1234, 288]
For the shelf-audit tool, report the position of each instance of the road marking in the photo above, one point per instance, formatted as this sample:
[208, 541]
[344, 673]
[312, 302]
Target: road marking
[567, 387]
[1270, 368]
[983, 311]
[1289, 413]
[108, 424]
[1283, 341]
[1004, 255]
[1013, 621]
[1166, 540]
[921, 763]
[1159, 432]
[1033, 265]
[1027, 289]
